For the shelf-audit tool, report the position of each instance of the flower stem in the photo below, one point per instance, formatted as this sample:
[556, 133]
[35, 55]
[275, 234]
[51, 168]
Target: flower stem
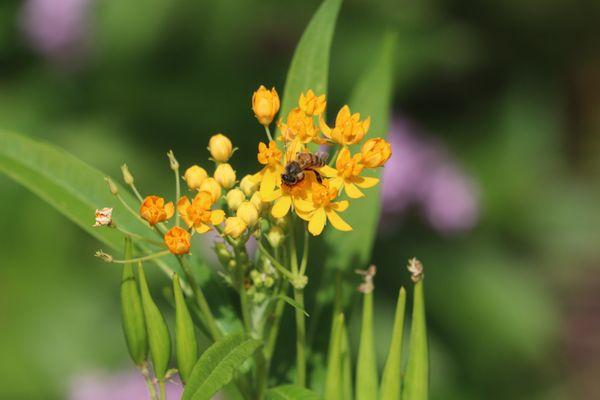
[300, 323]
[177, 192]
[163, 390]
[139, 237]
[290, 276]
[108, 258]
[268, 133]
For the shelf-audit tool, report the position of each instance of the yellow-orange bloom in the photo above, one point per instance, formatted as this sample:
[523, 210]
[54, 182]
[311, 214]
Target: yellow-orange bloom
[177, 240]
[312, 104]
[265, 104]
[198, 213]
[154, 210]
[234, 227]
[285, 196]
[299, 127]
[349, 129]
[375, 152]
[322, 208]
[270, 176]
[220, 147]
[194, 176]
[213, 187]
[347, 174]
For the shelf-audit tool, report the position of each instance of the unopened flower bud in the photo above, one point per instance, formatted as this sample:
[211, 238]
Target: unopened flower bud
[111, 186]
[211, 186]
[220, 147]
[248, 213]
[265, 104]
[234, 227]
[223, 254]
[231, 264]
[281, 222]
[234, 198]
[173, 163]
[248, 185]
[275, 236]
[127, 177]
[257, 202]
[104, 256]
[194, 176]
[225, 175]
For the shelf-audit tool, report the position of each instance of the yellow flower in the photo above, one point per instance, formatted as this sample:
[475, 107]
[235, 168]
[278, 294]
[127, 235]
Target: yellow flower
[199, 214]
[194, 176]
[347, 174]
[322, 208]
[299, 127]
[234, 227]
[287, 195]
[225, 175]
[265, 104]
[311, 104]
[177, 240]
[154, 210]
[248, 213]
[349, 129]
[248, 185]
[211, 186]
[270, 176]
[220, 147]
[375, 152]
[234, 198]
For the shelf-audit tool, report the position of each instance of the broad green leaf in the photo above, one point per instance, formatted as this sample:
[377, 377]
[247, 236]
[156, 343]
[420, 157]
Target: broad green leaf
[390, 382]
[371, 97]
[333, 381]
[159, 339]
[310, 65]
[186, 347]
[416, 379]
[291, 392]
[217, 365]
[366, 365]
[132, 314]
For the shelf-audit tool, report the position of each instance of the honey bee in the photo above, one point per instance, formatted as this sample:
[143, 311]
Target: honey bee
[294, 170]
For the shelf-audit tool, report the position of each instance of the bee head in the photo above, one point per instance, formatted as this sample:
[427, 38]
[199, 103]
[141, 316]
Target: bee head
[291, 173]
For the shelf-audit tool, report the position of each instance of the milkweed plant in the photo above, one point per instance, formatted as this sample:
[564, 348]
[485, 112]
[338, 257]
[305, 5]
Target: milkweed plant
[314, 180]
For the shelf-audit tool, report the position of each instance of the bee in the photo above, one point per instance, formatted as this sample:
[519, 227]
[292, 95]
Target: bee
[293, 172]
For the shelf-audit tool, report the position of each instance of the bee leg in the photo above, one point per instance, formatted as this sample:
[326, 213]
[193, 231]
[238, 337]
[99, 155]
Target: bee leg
[318, 176]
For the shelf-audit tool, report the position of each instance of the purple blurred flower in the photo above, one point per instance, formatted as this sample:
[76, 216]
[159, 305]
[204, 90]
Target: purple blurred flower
[56, 28]
[123, 386]
[422, 173]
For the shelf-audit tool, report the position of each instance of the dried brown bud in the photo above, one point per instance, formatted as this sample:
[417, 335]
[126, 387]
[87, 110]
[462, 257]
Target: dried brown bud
[368, 274]
[173, 163]
[111, 186]
[104, 256]
[415, 267]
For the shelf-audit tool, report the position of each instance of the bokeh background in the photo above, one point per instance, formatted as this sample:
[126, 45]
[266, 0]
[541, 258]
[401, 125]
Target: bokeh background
[494, 182]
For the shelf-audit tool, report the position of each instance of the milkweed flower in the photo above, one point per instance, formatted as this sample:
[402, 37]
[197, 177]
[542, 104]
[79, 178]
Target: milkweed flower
[225, 175]
[234, 198]
[265, 104]
[154, 210]
[299, 127]
[194, 176]
[284, 197]
[248, 213]
[346, 174]
[177, 240]
[348, 129]
[375, 152]
[234, 227]
[270, 175]
[321, 208]
[312, 104]
[220, 147]
[213, 187]
[103, 217]
[198, 213]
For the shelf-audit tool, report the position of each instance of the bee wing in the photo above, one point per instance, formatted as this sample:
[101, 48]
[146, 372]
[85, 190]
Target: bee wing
[322, 156]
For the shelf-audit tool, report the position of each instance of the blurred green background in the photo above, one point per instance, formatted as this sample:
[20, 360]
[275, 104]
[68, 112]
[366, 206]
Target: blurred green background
[510, 90]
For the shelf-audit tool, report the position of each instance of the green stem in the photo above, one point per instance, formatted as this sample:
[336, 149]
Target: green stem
[290, 276]
[139, 237]
[300, 323]
[131, 260]
[333, 157]
[268, 133]
[149, 383]
[137, 194]
[177, 193]
[163, 390]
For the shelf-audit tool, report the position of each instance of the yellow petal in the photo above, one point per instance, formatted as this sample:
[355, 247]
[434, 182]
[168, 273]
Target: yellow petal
[317, 222]
[366, 182]
[337, 221]
[304, 205]
[281, 206]
[217, 216]
[304, 215]
[324, 128]
[273, 196]
[169, 209]
[328, 171]
[340, 205]
[268, 183]
[352, 191]
[202, 228]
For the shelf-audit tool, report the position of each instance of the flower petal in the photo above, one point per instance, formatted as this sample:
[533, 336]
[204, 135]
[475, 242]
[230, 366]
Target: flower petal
[337, 221]
[217, 216]
[277, 193]
[317, 222]
[366, 182]
[304, 215]
[328, 171]
[268, 183]
[202, 228]
[304, 206]
[352, 191]
[340, 205]
[281, 206]
[169, 209]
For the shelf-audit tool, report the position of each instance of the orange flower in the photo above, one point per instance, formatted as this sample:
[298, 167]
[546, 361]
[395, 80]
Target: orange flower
[347, 174]
[299, 127]
[177, 240]
[349, 129]
[198, 214]
[265, 104]
[312, 104]
[154, 210]
[322, 208]
[375, 152]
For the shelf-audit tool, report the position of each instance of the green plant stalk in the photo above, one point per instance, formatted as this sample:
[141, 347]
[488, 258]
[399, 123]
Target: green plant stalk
[151, 387]
[300, 322]
[209, 318]
[163, 390]
[177, 193]
[238, 250]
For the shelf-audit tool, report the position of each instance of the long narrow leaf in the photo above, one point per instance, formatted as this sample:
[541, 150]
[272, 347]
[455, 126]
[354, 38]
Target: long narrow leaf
[346, 365]
[416, 381]
[159, 339]
[333, 381]
[217, 365]
[186, 347]
[390, 382]
[291, 392]
[366, 365]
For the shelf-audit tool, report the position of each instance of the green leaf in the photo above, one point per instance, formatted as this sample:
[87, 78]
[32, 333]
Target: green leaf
[291, 392]
[416, 379]
[291, 302]
[390, 382]
[158, 333]
[186, 347]
[366, 365]
[371, 97]
[346, 366]
[217, 365]
[310, 65]
[333, 381]
[132, 314]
